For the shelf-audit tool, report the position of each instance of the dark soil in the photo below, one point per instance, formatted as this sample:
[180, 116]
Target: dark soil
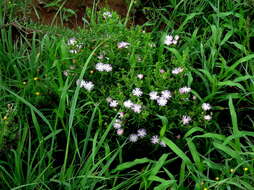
[43, 14]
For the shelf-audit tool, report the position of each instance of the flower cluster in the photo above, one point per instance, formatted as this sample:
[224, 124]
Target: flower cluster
[88, 85]
[207, 107]
[161, 100]
[169, 40]
[103, 67]
[74, 45]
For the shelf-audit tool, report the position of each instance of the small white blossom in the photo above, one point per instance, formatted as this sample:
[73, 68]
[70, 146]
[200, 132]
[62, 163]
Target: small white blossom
[107, 67]
[103, 67]
[121, 114]
[184, 90]
[74, 51]
[152, 45]
[141, 133]
[206, 106]
[123, 45]
[162, 101]
[117, 125]
[109, 99]
[208, 117]
[177, 70]
[99, 67]
[128, 104]
[119, 131]
[107, 15]
[136, 108]
[72, 41]
[168, 40]
[162, 144]
[186, 119]
[174, 42]
[153, 95]
[137, 92]
[101, 56]
[166, 94]
[66, 73]
[177, 37]
[140, 76]
[113, 104]
[133, 138]
[88, 85]
[155, 139]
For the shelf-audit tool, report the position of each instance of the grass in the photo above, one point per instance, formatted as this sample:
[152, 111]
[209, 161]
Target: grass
[55, 134]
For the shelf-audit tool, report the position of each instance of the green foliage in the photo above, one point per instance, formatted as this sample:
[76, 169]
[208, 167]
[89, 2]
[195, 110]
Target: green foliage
[54, 134]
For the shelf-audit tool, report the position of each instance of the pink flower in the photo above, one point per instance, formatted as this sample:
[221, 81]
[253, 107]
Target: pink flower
[119, 131]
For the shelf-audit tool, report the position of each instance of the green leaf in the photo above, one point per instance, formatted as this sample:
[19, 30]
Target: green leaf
[234, 121]
[127, 165]
[176, 150]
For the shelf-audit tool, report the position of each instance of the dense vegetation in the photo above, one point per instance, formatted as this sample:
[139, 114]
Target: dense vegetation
[164, 105]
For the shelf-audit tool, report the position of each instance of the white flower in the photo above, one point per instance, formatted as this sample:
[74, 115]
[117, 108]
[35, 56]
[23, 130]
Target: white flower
[88, 85]
[140, 76]
[107, 15]
[74, 51]
[117, 125]
[101, 56]
[136, 108]
[99, 67]
[152, 44]
[141, 133]
[113, 104]
[162, 101]
[121, 114]
[208, 117]
[103, 67]
[177, 70]
[177, 37]
[184, 90]
[119, 131]
[128, 104]
[186, 119]
[162, 144]
[206, 106]
[166, 94]
[109, 99]
[153, 95]
[137, 92]
[133, 138]
[107, 67]
[168, 40]
[155, 139]
[174, 42]
[72, 41]
[123, 45]
[66, 73]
